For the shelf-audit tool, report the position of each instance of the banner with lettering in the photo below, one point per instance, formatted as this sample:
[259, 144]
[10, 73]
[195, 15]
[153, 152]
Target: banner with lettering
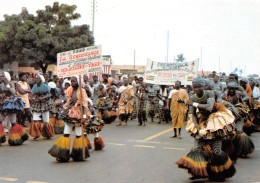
[80, 61]
[162, 73]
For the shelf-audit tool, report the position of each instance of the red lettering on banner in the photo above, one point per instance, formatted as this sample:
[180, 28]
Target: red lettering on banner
[165, 75]
[181, 74]
[62, 59]
[71, 57]
[94, 64]
[79, 67]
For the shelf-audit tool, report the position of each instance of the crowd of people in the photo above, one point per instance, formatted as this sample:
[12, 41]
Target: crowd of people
[219, 117]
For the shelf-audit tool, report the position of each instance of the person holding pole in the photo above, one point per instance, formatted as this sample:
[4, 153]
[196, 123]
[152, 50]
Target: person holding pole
[77, 104]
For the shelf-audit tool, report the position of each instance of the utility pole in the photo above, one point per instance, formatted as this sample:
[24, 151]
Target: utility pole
[134, 59]
[201, 59]
[167, 46]
[231, 66]
[93, 15]
[219, 64]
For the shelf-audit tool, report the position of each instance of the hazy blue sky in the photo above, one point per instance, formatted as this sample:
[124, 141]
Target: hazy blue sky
[222, 28]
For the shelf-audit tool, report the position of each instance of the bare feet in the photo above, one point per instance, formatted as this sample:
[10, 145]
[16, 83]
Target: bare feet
[118, 124]
[179, 137]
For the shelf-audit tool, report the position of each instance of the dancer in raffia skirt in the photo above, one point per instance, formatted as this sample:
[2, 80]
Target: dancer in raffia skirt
[242, 142]
[94, 126]
[209, 124]
[104, 105]
[56, 105]
[71, 116]
[10, 104]
[41, 107]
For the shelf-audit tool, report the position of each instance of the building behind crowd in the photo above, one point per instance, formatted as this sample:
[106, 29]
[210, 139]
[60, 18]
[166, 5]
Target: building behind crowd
[127, 70]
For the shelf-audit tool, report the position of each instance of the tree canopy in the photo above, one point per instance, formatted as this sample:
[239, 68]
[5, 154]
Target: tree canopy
[180, 58]
[37, 39]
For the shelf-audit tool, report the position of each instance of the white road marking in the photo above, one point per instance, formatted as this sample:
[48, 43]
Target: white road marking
[144, 146]
[8, 179]
[117, 144]
[174, 148]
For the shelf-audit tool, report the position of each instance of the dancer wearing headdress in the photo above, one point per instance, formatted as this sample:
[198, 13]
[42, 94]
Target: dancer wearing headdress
[94, 126]
[209, 124]
[10, 104]
[71, 116]
[243, 144]
[41, 107]
[56, 105]
[104, 105]
[255, 105]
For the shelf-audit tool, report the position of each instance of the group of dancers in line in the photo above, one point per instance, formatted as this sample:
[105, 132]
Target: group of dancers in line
[218, 120]
[51, 115]
[220, 123]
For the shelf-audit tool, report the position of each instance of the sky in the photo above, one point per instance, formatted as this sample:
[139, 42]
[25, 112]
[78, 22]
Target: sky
[223, 34]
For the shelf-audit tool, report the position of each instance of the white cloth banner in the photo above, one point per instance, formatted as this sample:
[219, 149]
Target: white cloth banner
[161, 73]
[80, 61]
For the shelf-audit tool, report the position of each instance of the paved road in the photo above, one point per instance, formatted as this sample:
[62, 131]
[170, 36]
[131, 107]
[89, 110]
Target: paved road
[133, 154]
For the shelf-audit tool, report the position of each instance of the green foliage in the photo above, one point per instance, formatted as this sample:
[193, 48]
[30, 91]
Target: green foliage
[180, 58]
[38, 39]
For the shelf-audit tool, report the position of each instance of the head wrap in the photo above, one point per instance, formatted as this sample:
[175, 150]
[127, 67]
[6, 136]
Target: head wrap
[199, 80]
[52, 85]
[232, 84]
[216, 75]
[257, 82]
[244, 80]
[7, 76]
[209, 83]
[252, 80]
[42, 77]
[77, 77]
[43, 88]
[64, 82]
[232, 73]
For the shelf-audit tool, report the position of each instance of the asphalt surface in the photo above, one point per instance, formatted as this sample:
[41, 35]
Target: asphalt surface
[133, 154]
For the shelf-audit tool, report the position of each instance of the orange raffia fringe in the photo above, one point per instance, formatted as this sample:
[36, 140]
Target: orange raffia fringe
[99, 143]
[198, 168]
[77, 149]
[14, 136]
[24, 136]
[58, 127]
[48, 130]
[61, 149]
[35, 130]
[88, 142]
[2, 134]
